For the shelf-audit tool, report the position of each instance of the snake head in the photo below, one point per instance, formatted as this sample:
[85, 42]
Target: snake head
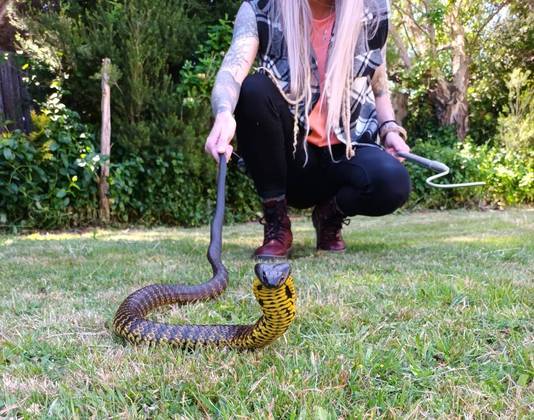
[272, 275]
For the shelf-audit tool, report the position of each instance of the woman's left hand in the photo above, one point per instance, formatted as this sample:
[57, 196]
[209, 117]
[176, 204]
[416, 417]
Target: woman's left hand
[394, 143]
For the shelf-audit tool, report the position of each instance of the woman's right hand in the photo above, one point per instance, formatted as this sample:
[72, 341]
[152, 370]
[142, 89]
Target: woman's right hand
[221, 136]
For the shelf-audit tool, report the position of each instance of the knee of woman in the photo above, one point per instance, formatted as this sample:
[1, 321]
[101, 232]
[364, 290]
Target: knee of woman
[254, 95]
[394, 187]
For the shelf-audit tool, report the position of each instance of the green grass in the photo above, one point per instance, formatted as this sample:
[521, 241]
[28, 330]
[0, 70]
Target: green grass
[427, 314]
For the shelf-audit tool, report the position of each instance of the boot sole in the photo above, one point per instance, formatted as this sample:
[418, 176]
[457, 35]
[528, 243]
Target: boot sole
[330, 251]
[273, 257]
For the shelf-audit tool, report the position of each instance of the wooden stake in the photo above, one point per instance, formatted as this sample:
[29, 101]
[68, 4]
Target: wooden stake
[105, 143]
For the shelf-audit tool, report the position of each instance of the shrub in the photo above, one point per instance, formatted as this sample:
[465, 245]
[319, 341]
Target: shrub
[161, 117]
[509, 174]
[159, 171]
[148, 42]
[510, 169]
[169, 191]
[178, 185]
[443, 146]
[47, 178]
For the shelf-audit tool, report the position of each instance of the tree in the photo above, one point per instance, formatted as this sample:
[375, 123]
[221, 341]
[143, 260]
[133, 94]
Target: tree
[14, 99]
[436, 39]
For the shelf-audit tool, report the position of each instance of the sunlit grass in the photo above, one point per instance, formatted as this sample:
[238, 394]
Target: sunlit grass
[426, 314]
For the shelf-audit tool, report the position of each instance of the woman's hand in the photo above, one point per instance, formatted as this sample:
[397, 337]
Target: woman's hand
[394, 143]
[221, 136]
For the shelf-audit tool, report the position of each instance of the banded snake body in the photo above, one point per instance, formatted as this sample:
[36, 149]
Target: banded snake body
[273, 288]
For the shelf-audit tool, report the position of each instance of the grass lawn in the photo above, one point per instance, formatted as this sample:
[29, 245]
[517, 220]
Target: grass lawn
[427, 314]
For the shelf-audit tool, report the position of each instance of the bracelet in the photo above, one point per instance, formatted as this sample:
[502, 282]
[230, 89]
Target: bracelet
[386, 122]
[393, 129]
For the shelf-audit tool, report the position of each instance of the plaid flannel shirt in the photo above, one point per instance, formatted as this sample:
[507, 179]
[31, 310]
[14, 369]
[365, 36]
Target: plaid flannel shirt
[273, 56]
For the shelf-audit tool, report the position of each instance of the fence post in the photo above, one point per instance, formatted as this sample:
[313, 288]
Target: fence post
[105, 143]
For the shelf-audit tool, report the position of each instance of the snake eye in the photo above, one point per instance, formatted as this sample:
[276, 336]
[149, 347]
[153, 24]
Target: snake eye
[272, 275]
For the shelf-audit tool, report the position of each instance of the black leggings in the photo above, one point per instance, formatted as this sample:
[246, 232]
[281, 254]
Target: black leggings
[372, 183]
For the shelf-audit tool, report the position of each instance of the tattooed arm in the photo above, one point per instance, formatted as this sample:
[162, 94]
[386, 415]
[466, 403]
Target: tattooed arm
[235, 67]
[393, 142]
[237, 62]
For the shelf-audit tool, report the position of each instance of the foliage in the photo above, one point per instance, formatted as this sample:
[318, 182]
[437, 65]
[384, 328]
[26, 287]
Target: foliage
[506, 47]
[145, 47]
[47, 178]
[168, 190]
[159, 171]
[178, 186]
[164, 66]
[148, 42]
[516, 124]
[454, 54]
[508, 173]
[514, 163]
[443, 147]
[198, 76]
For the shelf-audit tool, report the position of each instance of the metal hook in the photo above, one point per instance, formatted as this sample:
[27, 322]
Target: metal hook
[436, 166]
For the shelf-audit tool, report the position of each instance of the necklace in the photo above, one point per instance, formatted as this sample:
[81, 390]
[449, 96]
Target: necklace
[325, 34]
[327, 31]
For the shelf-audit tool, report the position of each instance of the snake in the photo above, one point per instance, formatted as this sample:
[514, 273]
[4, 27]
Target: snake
[273, 288]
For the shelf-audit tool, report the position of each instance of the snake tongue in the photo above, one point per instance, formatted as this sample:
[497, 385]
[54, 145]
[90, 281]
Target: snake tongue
[272, 275]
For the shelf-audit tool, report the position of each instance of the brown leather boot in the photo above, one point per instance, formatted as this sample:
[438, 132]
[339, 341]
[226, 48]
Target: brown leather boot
[328, 221]
[277, 236]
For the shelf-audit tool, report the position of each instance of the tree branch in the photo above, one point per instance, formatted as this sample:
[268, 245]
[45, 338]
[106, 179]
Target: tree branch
[3, 10]
[405, 57]
[489, 19]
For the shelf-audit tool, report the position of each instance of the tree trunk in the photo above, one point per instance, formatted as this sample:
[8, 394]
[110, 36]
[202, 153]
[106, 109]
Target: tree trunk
[450, 97]
[400, 105]
[15, 102]
[14, 99]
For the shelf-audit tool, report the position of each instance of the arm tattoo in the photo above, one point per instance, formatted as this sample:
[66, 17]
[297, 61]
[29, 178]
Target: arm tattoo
[225, 93]
[380, 82]
[245, 25]
[237, 60]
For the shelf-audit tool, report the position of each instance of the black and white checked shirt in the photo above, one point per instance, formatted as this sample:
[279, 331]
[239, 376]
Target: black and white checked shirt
[273, 56]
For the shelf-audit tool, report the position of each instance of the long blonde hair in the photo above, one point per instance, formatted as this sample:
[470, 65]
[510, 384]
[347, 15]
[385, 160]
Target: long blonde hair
[296, 19]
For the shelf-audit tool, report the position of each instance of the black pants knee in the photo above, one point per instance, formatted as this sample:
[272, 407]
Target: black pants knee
[372, 183]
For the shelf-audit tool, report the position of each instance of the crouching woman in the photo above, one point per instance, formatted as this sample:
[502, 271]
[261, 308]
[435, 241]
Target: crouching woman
[308, 121]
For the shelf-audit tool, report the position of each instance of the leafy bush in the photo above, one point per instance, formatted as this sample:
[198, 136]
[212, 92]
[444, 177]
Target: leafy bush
[148, 42]
[178, 186]
[169, 191]
[443, 146]
[505, 163]
[47, 178]
[508, 174]
[159, 171]
[161, 116]
[510, 169]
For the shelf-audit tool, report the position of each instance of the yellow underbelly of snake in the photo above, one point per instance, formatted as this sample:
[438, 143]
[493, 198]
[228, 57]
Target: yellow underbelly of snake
[276, 297]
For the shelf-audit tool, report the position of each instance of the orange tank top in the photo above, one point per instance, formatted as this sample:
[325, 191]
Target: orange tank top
[321, 35]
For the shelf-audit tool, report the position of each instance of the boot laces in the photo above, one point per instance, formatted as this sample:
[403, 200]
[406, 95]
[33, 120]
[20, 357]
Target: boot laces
[273, 223]
[332, 227]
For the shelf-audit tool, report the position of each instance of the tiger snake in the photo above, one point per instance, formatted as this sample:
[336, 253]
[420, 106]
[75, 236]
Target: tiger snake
[273, 288]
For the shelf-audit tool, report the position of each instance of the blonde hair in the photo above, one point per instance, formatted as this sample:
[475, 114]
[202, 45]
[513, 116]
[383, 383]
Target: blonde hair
[295, 17]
